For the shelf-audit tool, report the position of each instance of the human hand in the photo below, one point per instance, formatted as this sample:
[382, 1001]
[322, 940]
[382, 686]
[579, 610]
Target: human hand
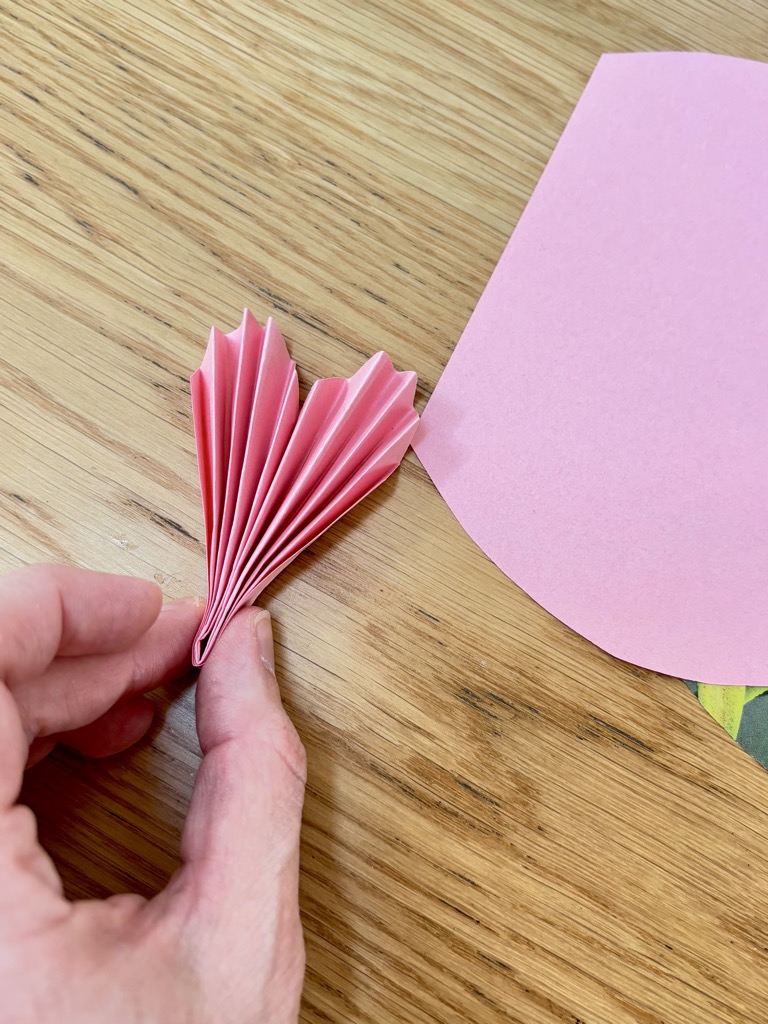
[223, 942]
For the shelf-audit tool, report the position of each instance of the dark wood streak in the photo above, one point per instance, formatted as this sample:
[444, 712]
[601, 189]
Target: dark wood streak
[23, 385]
[165, 522]
[632, 741]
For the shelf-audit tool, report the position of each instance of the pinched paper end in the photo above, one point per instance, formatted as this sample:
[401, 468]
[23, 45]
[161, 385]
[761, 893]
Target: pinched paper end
[273, 477]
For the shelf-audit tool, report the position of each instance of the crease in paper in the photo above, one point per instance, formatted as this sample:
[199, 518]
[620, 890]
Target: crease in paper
[274, 476]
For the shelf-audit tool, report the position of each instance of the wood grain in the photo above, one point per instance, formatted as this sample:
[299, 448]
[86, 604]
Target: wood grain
[502, 822]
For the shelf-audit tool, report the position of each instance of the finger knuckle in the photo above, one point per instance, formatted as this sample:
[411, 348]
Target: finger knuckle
[289, 748]
[21, 824]
[19, 848]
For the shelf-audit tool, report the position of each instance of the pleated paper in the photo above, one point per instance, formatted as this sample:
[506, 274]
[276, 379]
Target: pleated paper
[274, 476]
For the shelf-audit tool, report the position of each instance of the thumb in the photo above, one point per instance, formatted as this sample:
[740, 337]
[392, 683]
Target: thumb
[238, 888]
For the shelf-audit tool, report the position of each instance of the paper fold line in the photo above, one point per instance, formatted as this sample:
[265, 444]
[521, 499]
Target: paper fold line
[273, 477]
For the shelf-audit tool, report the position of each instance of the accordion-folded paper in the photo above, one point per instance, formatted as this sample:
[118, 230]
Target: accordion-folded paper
[273, 477]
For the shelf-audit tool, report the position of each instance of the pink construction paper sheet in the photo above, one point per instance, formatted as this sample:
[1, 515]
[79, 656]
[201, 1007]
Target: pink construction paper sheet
[601, 430]
[273, 477]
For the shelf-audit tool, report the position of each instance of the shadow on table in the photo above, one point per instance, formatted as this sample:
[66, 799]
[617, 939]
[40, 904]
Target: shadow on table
[114, 825]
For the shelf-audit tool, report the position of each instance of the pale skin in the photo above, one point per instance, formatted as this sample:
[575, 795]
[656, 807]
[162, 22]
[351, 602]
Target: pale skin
[222, 944]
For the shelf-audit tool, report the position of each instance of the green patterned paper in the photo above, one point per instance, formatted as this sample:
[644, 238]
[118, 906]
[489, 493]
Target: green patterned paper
[743, 713]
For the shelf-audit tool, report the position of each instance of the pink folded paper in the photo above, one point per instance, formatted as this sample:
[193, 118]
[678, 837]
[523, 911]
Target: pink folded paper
[602, 428]
[274, 478]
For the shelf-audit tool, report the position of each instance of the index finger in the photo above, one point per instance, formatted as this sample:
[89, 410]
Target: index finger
[52, 610]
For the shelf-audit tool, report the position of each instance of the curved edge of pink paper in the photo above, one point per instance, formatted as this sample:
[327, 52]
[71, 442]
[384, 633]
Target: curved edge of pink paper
[725, 662]
[476, 530]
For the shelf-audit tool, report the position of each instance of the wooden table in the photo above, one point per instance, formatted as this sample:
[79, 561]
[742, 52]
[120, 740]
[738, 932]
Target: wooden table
[502, 822]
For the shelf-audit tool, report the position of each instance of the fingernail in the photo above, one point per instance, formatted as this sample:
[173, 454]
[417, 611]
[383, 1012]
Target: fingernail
[183, 602]
[261, 625]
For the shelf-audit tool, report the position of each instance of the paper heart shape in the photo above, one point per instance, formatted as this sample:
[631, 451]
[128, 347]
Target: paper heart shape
[601, 428]
[273, 477]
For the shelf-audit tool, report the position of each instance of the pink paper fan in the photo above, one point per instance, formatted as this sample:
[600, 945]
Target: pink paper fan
[273, 477]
